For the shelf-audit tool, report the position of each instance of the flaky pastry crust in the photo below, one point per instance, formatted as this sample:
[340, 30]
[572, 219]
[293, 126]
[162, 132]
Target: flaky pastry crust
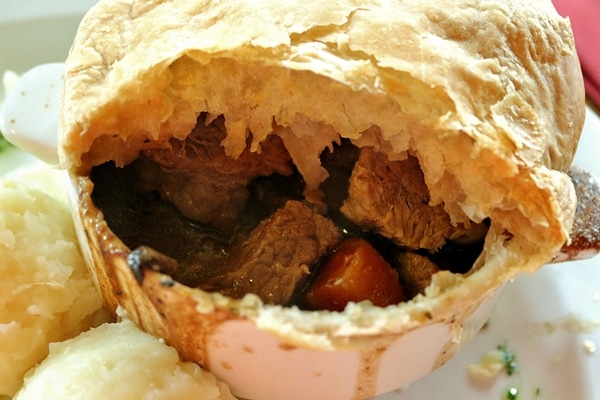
[487, 95]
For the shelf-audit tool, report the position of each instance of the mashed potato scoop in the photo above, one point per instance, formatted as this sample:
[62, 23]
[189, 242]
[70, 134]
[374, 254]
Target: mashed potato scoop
[118, 360]
[46, 293]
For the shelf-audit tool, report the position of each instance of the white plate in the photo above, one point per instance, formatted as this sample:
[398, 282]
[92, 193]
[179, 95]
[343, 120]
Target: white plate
[551, 320]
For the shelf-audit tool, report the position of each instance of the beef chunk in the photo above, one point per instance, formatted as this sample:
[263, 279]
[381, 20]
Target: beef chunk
[204, 183]
[142, 219]
[392, 199]
[278, 255]
[415, 271]
[270, 258]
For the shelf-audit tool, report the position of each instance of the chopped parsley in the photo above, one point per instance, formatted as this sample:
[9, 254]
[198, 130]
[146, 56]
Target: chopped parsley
[508, 358]
[512, 394]
[500, 359]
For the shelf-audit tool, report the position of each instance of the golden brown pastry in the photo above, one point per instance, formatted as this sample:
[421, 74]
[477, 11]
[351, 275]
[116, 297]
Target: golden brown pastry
[486, 98]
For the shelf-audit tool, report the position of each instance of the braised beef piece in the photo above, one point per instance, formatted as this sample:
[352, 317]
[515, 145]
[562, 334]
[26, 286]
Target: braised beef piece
[415, 271]
[277, 257]
[392, 199]
[273, 263]
[203, 182]
[142, 218]
[270, 258]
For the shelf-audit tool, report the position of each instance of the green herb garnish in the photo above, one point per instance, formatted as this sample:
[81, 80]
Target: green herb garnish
[508, 358]
[512, 394]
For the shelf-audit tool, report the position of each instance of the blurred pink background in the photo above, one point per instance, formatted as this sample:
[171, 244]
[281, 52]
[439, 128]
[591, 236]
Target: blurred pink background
[585, 20]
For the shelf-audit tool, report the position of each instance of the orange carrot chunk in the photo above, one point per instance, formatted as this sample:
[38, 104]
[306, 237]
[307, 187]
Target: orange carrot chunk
[354, 272]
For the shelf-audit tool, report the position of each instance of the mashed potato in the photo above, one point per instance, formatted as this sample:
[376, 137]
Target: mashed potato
[47, 299]
[119, 361]
[46, 294]
[41, 176]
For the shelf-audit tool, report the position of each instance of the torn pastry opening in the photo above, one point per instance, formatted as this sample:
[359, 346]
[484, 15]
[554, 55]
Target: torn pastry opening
[252, 224]
[249, 178]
